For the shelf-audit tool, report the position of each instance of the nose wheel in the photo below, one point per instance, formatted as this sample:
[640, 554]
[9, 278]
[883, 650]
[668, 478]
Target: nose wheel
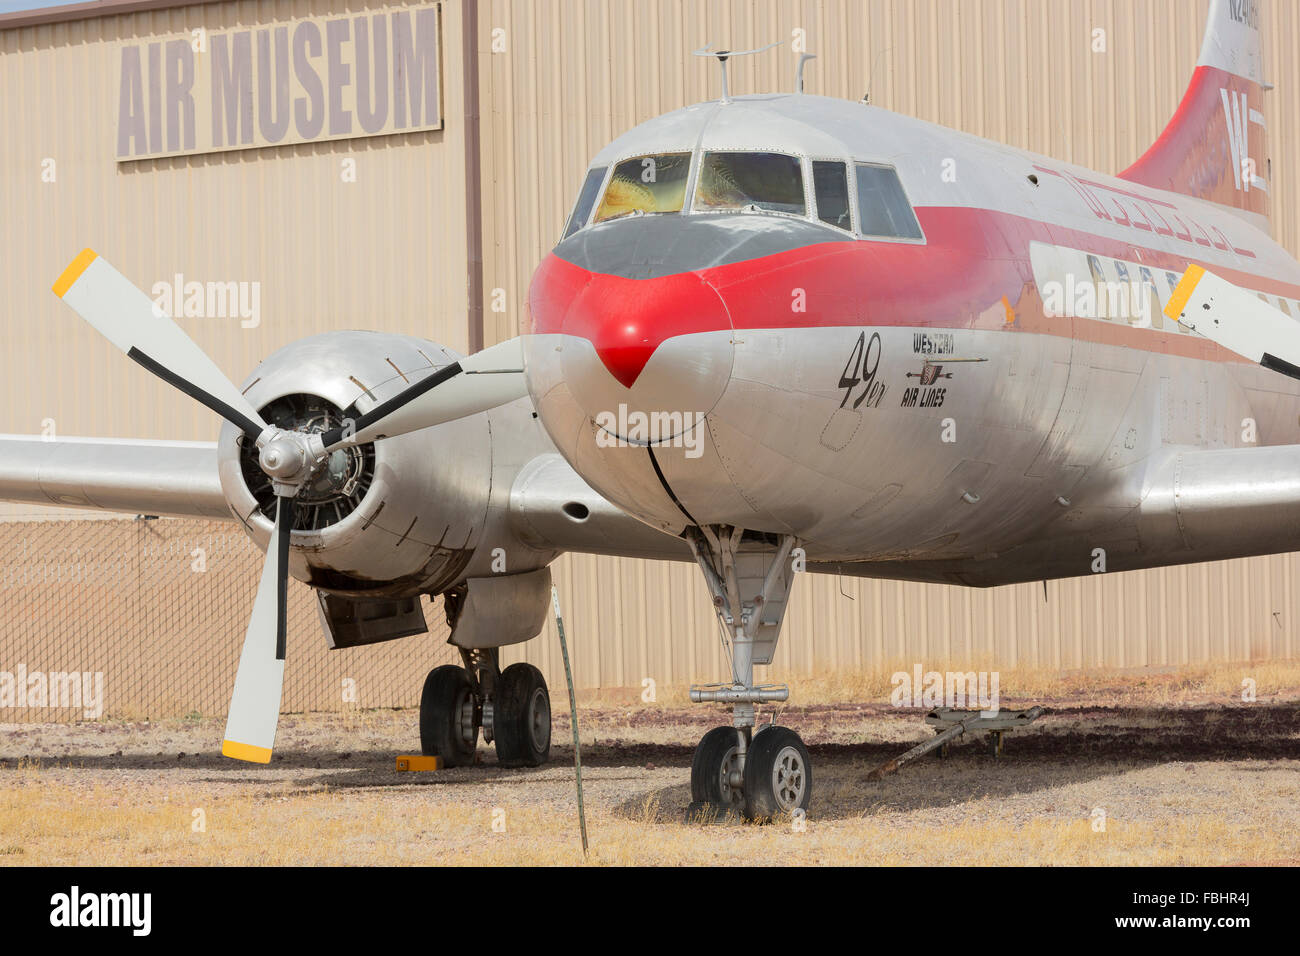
[766, 779]
[717, 773]
[778, 775]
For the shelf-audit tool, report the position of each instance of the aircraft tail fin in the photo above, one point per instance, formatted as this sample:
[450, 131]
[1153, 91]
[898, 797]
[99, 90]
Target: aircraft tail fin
[1215, 147]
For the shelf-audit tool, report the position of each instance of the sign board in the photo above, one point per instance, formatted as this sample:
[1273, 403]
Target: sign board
[296, 81]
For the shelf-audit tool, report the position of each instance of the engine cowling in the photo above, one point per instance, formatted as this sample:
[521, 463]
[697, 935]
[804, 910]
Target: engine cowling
[393, 518]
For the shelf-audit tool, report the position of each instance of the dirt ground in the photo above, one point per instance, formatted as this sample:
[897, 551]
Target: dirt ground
[1159, 769]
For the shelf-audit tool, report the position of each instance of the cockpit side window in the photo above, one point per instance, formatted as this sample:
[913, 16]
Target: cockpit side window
[883, 209]
[831, 187]
[646, 184]
[772, 182]
[586, 199]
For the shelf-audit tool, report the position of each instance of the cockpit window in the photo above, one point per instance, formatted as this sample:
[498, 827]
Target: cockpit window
[831, 187]
[586, 199]
[766, 181]
[883, 209]
[646, 184]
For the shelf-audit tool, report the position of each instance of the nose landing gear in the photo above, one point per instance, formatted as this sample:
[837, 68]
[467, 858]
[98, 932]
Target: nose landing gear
[768, 773]
[770, 778]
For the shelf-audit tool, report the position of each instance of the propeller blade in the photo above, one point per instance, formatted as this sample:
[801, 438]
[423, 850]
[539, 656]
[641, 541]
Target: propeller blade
[129, 319]
[255, 702]
[475, 384]
[1238, 320]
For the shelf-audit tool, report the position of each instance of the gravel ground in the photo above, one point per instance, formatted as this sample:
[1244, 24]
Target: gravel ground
[1185, 781]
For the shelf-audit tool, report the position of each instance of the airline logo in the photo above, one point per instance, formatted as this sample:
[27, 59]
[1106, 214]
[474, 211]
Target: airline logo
[1235, 111]
[1238, 116]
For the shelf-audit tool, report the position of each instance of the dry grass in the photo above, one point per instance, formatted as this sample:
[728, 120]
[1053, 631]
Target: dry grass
[1132, 687]
[38, 825]
[1183, 770]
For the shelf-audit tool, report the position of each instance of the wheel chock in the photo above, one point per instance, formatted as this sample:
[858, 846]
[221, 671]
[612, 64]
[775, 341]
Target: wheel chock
[418, 762]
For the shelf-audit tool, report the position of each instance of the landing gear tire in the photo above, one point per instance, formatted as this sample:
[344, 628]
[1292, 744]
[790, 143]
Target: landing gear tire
[717, 756]
[521, 719]
[447, 699]
[778, 775]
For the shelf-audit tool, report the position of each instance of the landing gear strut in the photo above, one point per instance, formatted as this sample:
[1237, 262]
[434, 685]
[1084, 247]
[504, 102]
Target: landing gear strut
[511, 707]
[768, 773]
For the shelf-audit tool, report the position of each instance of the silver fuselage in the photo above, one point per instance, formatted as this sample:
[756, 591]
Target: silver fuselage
[1035, 441]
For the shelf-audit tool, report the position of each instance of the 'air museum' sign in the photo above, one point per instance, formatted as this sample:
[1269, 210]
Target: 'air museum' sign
[299, 81]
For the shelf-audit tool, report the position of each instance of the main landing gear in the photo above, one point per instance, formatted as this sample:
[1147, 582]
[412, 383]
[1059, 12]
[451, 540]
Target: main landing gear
[511, 707]
[764, 773]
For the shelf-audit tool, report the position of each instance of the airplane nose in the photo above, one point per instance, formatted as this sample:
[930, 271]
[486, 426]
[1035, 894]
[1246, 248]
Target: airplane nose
[658, 345]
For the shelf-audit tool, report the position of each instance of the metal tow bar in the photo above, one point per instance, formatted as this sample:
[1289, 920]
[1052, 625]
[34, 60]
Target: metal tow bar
[957, 723]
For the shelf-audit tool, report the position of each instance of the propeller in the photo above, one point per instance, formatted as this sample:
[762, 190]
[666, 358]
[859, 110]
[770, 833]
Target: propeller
[129, 319]
[1236, 319]
[259, 681]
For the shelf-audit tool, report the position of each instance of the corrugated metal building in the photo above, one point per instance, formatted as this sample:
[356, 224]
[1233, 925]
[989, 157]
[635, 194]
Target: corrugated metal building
[434, 231]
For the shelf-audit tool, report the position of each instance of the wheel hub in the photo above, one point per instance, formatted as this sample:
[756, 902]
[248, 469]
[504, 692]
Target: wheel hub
[731, 778]
[540, 718]
[468, 732]
[788, 778]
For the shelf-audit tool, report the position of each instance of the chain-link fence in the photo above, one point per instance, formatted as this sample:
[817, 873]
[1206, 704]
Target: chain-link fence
[136, 618]
[145, 618]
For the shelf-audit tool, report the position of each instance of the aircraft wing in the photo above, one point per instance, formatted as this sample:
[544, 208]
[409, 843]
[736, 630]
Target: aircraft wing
[1222, 503]
[549, 506]
[172, 478]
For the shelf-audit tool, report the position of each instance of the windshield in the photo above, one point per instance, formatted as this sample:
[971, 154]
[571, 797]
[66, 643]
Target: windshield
[586, 199]
[883, 209]
[768, 181]
[831, 187]
[646, 184]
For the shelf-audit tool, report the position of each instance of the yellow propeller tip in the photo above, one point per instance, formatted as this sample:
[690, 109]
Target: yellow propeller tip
[74, 270]
[233, 748]
[1183, 291]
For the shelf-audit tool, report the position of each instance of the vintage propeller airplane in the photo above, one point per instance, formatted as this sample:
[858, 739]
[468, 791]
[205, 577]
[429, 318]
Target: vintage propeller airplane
[779, 331]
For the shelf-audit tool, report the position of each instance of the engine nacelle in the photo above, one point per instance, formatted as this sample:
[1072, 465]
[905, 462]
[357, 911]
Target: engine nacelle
[393, 518]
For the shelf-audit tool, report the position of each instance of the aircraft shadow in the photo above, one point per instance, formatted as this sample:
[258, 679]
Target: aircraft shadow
[1120, 740]
[1091, 743]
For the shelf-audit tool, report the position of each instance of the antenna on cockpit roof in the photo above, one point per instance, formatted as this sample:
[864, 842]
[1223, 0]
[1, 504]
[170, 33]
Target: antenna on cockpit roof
[798, 73]
[724, 55]
[866, 97]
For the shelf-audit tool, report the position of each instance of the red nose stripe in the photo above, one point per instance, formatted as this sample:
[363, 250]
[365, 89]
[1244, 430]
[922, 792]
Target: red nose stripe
[626, 362]
[971, 260]
[624, 319]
